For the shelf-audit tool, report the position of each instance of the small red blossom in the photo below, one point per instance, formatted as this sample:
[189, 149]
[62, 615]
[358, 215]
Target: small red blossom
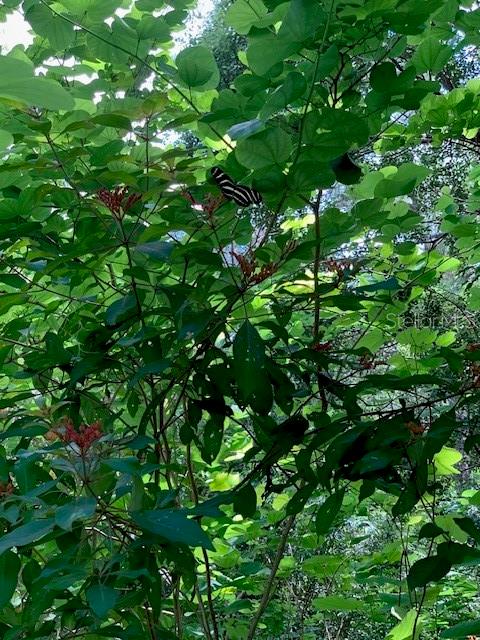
[322, 346]
[209, 205]
[86, 435]
[265, 272]
[415, 428]
[248, 266]
[367, 361]
[6, 489]
[339, 266]
[118, 200]
[188, 196]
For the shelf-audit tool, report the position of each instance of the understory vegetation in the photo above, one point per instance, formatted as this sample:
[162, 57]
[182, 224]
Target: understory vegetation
[246, 407]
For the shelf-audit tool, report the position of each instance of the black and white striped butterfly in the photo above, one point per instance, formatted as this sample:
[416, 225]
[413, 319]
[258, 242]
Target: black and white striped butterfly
[241, 195]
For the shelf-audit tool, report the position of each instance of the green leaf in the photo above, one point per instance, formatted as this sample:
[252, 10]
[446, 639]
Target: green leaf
[469, 526]
[242, 15]
[445, 461]
[337, 603]
[269, 147]
[154, 28]
[115, 120]
[302, 21]
[462, 630]
[430, 530]
[384, 79]
[265, 50]
[121, 309]
[249, 367]
[18, 83]
[58, 31]
[101, 599]
[439, 433]
[328, 511]
[174, 526]
[427, 570]
[9, 568]
[26, 534]
[212, 438]
[245, 129]
[383, 76]
[431, 55]
[292, 88]
[91, 11]
[6, 139]
[9, 300]
[299, 499]
[346, 171]
[197, 68]
[323, 566]
[404, 629]
[79, 509]
[402, 181]
[151, 368]
[158, 249]
[474, 299]
[245, 501]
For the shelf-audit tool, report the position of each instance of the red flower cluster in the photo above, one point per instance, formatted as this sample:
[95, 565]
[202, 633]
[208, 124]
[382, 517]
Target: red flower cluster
[265, 272]
[209, 205]
[6, 488]
[85, 436]
[473, 346]
[118, 200]
[415, 428]
[339, 266]
[367, 361]
[248, 267]
[322, 346]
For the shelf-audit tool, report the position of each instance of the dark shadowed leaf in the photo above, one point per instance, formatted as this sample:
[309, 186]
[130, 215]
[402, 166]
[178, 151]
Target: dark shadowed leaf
[101, 599]
[80, 509]
[9, 568]
[174, 526]
[329, 510]
[26, 534]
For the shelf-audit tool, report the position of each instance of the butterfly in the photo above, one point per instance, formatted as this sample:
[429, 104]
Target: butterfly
[241, 195]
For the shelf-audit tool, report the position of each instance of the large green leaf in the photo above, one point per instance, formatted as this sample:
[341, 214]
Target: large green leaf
[91, 11]
[328, 511]
[26, 534]
[79, 509]
[411, 623]
[428, 570]
[243, 14]
[462, 630]
[18, 84]
[249, 365]
[302, 21]
[292, 88]
[174, 526]
[9, 568]
[431, 55]
[269, 147]
[101, 599]
[59, 32]
[197, 68]
[337, 603]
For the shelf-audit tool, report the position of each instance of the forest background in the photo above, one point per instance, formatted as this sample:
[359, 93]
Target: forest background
[231, 422]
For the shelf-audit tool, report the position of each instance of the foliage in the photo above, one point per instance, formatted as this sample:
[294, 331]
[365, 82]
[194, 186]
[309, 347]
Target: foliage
[220, 422]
